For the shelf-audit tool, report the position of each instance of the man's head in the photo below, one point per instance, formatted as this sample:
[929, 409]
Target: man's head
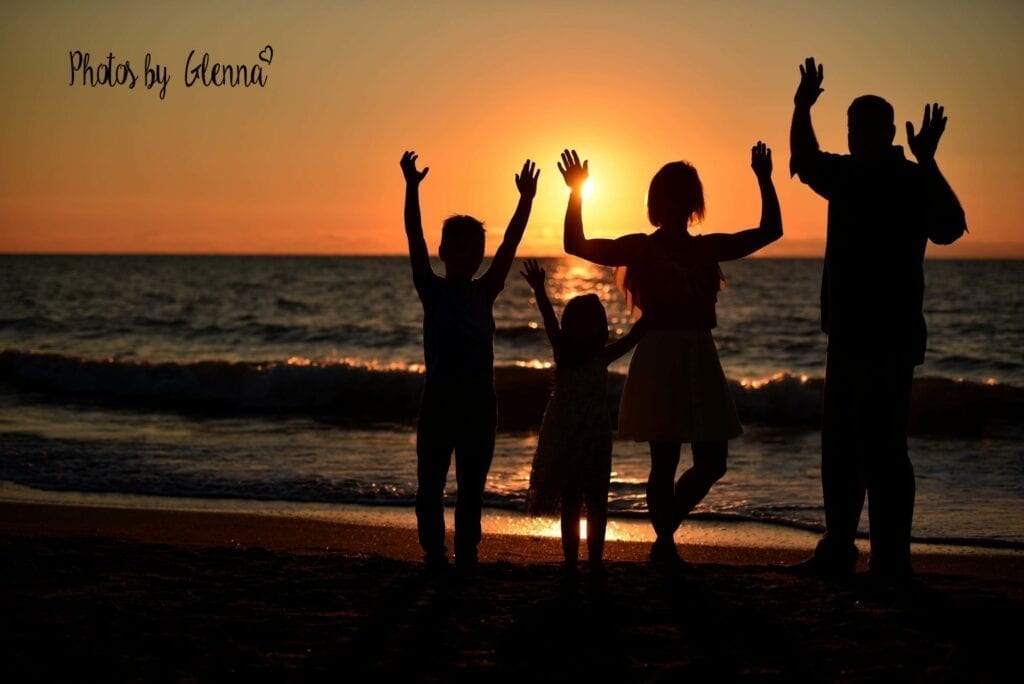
[870, 126]
[462, 246]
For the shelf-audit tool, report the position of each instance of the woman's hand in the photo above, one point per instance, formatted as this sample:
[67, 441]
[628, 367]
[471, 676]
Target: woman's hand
[574, 173]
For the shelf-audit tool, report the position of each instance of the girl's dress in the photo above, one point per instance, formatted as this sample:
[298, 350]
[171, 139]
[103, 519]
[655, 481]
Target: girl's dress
[574, 448]
[675, 390]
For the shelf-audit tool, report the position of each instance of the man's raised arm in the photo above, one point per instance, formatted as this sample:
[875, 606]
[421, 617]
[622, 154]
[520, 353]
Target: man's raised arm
[946, 220]
[802, 142]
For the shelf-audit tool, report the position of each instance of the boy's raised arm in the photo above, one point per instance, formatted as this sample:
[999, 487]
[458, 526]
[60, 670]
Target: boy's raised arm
[418, 254]
[501, 264]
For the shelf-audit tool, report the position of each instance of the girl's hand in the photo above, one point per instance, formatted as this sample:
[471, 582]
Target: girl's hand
[533, 274]
[761, 161]
[412, 176]
[574, 173]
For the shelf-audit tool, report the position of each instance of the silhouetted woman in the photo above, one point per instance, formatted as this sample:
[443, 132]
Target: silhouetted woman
[676, 391]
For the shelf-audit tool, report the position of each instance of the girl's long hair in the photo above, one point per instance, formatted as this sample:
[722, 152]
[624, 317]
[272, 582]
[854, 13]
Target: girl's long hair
[584, 329]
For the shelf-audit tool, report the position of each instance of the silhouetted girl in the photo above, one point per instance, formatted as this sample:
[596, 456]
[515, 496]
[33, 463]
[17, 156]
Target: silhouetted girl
[676, 391]
[572, 465]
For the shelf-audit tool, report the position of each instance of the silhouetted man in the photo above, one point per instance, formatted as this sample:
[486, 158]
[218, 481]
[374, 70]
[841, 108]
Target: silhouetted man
[882, 210]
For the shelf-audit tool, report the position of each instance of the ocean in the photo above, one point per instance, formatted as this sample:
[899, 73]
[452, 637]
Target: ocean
[296, 380]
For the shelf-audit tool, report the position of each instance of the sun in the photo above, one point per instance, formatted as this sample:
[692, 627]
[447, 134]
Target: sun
[588, 188]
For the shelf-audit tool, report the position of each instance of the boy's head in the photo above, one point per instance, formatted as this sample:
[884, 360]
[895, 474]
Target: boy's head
[675, 196]
[870, 126]
[462, 246]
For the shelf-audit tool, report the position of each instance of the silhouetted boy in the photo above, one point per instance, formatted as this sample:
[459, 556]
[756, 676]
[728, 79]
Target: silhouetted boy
[457, 412]
[882, 210]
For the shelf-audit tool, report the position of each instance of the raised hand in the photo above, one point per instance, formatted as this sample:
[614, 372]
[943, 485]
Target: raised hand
[574, 173]
[761, 161]
[533, 274]
[924, 144]
[526, 180]
[412, 176]
[811, 76]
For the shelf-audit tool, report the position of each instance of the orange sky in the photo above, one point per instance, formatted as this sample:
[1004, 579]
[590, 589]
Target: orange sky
[309, 164]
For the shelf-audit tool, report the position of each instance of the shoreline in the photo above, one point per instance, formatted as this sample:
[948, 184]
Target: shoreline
[361, 537]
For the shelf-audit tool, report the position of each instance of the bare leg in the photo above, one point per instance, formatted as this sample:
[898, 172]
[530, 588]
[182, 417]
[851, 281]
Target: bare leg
[597, 524]
[708, 468]
[571, 505]
[664, 461]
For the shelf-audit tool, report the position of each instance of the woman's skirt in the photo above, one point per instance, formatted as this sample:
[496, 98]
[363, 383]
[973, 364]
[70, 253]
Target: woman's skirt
[676, 391]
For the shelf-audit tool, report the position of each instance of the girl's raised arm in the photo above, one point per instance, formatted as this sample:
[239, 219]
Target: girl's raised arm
[534, 275]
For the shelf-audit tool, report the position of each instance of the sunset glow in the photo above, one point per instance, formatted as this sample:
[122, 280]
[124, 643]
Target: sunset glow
[308, 163]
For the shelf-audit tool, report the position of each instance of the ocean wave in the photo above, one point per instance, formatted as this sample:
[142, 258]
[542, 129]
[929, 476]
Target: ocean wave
[351, 392]
[516, 332]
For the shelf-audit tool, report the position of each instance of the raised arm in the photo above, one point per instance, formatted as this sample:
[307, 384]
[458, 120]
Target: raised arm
[946, 220]
[802, 142]
[526, 182]
[738, 245]
[418, 254]
[621, 346]
[534, 275]
[617, 252]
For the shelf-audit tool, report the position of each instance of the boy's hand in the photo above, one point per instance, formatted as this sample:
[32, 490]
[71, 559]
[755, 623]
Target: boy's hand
[533, 274]
[761, 161]
[526, 180]
[412, 176]
[574, 173]
[811, 76]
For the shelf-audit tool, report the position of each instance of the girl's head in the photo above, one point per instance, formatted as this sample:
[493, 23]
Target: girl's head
[584, 326]
[676, 196]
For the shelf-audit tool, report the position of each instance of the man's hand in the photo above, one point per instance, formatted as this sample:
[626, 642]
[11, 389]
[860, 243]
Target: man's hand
[412, 176]
[924, 144]
[810, 88]
[533, 274]
[526, 180]
[761, 161]
[574, 173]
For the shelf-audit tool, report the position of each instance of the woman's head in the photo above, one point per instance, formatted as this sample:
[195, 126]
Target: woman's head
[584, 326]
[676, 196]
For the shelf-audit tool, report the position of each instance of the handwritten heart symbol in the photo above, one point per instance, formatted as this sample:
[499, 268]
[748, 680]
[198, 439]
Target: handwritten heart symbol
[267, 54]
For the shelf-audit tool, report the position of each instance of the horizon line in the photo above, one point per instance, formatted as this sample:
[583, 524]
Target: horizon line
[369, 255]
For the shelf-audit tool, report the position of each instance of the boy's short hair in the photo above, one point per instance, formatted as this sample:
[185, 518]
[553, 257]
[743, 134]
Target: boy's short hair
[462, 230]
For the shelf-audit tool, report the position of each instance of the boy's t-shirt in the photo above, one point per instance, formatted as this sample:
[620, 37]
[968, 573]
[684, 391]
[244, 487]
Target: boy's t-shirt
[458, 331]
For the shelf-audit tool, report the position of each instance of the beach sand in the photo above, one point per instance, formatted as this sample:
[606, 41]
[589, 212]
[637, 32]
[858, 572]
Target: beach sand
[114, 593]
